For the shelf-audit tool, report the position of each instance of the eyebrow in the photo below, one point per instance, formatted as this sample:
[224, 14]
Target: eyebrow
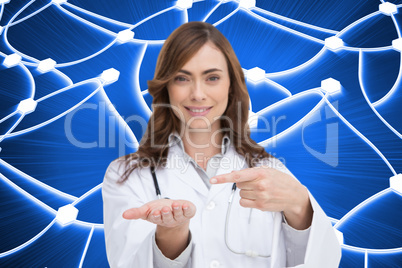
[204, 72]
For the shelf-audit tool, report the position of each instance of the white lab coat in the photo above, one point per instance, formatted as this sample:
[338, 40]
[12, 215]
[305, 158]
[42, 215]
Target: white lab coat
[129, 242]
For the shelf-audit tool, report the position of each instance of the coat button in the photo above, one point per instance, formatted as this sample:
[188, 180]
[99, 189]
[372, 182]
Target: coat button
[214, 264]
[211, 205]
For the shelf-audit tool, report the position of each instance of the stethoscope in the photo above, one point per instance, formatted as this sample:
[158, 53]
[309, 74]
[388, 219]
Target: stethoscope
[250, 253]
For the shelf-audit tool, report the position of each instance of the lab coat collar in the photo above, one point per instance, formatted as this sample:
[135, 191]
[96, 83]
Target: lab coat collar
[184, 169]
[179, 163]
[175, 139]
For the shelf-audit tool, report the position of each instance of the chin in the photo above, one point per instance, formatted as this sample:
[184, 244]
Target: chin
[201, 124]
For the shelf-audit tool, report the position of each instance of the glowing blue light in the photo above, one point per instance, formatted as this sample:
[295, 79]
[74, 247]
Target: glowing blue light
[46, 65]
[66, 214]
[125, 35]
[397, 44]
[388, 8]
[110, 75]
[331, 86]
[395, 182]
[247, 4]
[27, 106]
[255, 75]
[12, 60]
[184, 4]
[333, 42]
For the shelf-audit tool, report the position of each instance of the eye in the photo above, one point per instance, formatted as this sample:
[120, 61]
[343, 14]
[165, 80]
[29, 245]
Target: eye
[180, 79]
[213, 78]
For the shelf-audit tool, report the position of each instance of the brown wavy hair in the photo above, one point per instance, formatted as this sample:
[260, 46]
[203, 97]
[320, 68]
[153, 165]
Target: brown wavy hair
[177, 50]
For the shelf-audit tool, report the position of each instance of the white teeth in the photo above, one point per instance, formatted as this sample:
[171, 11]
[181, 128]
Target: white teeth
[198, 110]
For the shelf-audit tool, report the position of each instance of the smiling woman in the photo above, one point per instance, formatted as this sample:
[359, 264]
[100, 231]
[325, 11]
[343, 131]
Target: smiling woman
[197, 151]
[200, 92]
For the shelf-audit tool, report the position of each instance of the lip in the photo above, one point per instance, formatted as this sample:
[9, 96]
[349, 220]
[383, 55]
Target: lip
[205, 109]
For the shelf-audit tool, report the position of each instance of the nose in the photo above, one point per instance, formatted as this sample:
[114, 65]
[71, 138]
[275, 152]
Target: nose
[197, 92]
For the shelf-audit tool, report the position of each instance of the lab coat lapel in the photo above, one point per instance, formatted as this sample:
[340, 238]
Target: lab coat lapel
[275, 254]
[230, 161]
[185, 171]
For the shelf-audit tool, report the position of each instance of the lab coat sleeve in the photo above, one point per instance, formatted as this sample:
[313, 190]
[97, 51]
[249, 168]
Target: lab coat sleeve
[323, 248]
[128, 242]
[183, 260]
[296, 244]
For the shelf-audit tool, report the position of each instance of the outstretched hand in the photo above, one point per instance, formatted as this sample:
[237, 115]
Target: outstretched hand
[163, 212]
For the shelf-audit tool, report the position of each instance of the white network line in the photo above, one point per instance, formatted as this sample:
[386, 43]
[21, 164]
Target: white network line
[152, 16]
[185, 16]
[355, 49]
[122, 122]
[106, 31]
[1, 11]
[28, 195]
[298, 123]
[394, 88]
[86, 247]
[360, 135]
[33, 239]
[38, 183]
[287, 29]
[6, 30]
[355, 210]
[85, 195]
[361, 82]
[11, 128]
[30, 15]
[226, 17]
[98, 16]
[137, 82]
[212, 11]
[62, 114]
[28, 74]
[306, 25]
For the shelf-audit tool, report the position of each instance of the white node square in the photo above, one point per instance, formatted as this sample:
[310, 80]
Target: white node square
[252, 119]
[331, 86]
[395, 182]
[59, 1]
[4, 2]
[247, 4]
[397, 44]
[46, 65]
[184, 4]
[388, 8]
[339, 236]
[12, 60]
[333, 42]
[110, 75]
[125, 35]
[66, 214]
[27, 106]
[256, 75]
[1, 29]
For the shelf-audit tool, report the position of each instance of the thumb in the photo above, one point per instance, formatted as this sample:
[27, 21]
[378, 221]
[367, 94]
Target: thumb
[136, 213]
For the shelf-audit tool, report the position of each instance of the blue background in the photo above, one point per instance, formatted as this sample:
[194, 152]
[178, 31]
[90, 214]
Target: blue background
[344, 147]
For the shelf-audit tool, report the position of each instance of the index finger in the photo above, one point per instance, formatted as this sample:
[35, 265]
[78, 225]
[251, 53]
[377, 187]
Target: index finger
[247, 174]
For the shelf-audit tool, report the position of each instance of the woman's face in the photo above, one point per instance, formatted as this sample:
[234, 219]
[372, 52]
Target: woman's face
[199, 91]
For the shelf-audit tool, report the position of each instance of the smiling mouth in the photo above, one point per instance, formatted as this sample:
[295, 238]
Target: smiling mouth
[198, 111]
